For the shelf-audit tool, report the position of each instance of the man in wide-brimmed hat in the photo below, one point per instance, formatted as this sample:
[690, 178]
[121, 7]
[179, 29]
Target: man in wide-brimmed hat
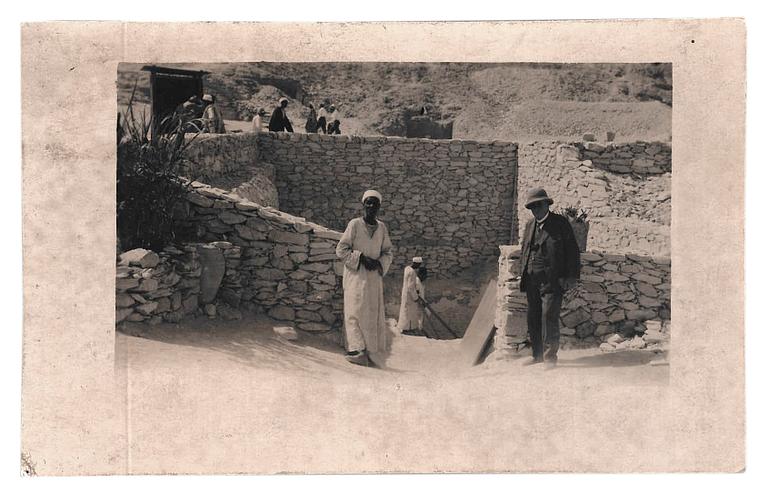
[549, 266]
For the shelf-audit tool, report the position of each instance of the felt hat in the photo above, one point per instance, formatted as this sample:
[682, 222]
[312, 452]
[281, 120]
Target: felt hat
[536, 195]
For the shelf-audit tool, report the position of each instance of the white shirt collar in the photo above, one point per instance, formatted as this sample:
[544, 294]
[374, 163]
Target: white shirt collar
[540, 222]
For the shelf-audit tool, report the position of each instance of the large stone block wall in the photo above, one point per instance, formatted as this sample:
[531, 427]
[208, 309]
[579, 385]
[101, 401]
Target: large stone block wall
[615, 293]
[275, 263]
[628, 211]
[212, 156]
[450, 201]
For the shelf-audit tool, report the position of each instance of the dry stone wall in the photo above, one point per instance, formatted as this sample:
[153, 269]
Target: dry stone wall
[211, 156]
[615, 294]
[231, 162]
[644, 158]
[625, 190]
[275, 263]
[153, 288]
[450, 201]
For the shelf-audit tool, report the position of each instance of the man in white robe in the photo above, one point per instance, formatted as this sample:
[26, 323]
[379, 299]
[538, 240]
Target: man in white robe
[411, 317]
[366, 250]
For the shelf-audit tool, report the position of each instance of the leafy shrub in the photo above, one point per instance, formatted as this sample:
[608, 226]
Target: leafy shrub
[574, 214]
[150, 194]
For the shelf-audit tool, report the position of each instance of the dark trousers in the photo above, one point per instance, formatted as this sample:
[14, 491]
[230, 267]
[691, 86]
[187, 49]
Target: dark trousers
[544, 303]
[321, 124]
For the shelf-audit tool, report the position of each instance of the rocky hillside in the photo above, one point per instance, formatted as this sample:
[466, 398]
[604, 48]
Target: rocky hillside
[518, 102]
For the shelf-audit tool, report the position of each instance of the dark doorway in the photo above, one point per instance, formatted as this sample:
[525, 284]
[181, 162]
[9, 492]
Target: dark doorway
[169, 87]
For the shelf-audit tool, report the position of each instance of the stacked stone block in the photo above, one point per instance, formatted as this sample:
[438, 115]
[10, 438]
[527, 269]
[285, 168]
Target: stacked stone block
[210, 156]
[287, 267]
[274, 263]
[616, 293]
[629, 212]
[154, 288]
[644, 158]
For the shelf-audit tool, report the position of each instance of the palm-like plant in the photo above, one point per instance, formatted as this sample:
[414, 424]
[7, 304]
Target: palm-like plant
[150, 159]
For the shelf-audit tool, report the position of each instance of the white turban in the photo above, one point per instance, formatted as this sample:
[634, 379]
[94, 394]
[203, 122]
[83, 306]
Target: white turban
[417, 260]
[371, 193]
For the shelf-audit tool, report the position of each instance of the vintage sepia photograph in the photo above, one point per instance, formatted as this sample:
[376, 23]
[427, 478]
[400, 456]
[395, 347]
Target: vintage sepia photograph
[426, 263]
[412, 217]
[358, 221]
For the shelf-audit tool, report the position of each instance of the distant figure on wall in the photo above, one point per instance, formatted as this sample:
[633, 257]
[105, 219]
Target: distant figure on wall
[213, 122]
[311, 125]
[322, 118]
[549, 266]
[191, 112]
[334, 121]
[366, 250]
[279, 121]
[258, 121]
[411, 319]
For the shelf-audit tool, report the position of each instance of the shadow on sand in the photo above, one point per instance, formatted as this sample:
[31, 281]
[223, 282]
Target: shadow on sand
[617, 359]
[251, 341]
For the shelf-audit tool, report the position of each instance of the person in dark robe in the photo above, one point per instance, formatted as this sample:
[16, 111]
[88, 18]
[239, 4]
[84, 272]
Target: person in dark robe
[311, 125]
[279, 121]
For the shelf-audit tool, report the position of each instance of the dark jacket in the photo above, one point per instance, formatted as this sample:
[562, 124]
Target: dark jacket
[279, 121]
[556, 244]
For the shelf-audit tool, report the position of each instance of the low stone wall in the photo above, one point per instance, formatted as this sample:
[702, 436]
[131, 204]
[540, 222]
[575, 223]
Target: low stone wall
[450, 201]
[211, 156]
[288, 266]
[609, 234]
[153, 287]
[231, 162]
[645, 158]
[275, 263]
[615, 294]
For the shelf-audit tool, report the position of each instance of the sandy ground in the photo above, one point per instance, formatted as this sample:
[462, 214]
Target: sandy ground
[262, 403]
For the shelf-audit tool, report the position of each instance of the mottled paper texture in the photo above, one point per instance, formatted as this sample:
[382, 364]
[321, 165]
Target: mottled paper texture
[85, 413]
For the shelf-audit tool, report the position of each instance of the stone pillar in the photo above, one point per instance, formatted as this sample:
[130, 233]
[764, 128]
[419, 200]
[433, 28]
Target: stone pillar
[511, 305]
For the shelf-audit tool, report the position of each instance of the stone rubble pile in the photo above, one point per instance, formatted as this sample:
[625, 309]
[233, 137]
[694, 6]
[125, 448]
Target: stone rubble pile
[652, 335]
[155, 288]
